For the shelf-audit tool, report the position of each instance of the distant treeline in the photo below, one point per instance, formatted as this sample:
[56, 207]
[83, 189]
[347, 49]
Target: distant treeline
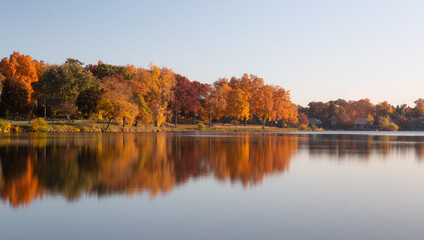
[131, 95]
[363, 115]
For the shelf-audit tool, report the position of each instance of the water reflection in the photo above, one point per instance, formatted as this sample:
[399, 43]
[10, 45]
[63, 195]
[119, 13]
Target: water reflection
[34, 166]
[361, 147]
[71, 165]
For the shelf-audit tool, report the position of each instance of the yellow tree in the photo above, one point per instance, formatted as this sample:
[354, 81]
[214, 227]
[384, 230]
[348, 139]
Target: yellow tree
[159, 84]
[251, 84]
[238, 101]
[217, 99]
[292, 114]
[284, 109]
[384, 109]
[116, 102]
[256, 101]
[238, 104]
[265, 104]
[20, 67]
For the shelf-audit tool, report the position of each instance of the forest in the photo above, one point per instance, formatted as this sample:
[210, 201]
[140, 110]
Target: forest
[363, 115]
[157, 96]
[129, 95]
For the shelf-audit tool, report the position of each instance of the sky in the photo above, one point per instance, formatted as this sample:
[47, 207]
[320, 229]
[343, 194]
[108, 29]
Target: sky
[319, 50]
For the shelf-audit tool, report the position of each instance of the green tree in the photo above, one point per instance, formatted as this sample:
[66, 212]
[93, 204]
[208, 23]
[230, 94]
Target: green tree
[14, 97]
[102, 70]
[88, 101]
[66, 82]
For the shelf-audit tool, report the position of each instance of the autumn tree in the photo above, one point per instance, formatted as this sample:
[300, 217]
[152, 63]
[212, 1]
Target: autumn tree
[203, 90]
[418, 110]
[386, 125]
[204, 97]
[218, 99]
[116, 102]
[238, 101]
[265, 104]
[159, 84]
[21, 68]
[361, 108]
[284, 109]
[185, 96]
[303, 119]
[253, 84]
[318, 110]
[145, 114]
[383, 109]
[67, 109]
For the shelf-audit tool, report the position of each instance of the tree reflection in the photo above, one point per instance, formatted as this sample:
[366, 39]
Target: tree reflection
[362, 147]
[134, 163]
[102, 164]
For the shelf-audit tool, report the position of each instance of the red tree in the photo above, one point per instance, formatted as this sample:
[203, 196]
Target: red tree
[185, 96]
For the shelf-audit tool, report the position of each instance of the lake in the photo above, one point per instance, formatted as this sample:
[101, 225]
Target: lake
[201, 185]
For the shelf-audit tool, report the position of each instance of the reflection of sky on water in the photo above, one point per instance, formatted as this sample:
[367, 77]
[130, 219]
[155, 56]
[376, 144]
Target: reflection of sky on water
[257, 186]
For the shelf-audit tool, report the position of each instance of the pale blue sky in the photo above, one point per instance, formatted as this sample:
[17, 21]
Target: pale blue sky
[319, 50]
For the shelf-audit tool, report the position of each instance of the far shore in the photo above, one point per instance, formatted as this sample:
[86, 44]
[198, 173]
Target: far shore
[97, 126]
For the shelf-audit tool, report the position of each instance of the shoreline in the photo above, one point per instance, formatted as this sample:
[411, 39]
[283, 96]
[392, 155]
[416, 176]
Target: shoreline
[95, 126]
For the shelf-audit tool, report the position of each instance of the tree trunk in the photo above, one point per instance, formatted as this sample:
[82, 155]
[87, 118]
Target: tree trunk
[45, 109]
[108, 124]
[210, 120]
[123, 123]
[263, 123]
[245, 122]
[176, 117]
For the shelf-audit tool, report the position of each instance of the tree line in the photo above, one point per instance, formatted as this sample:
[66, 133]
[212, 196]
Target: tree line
[131, 95]
[362, 114]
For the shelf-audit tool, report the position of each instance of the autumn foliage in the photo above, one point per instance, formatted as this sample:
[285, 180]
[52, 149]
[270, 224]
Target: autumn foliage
[22, 68]
[130, 95]
[364, 115]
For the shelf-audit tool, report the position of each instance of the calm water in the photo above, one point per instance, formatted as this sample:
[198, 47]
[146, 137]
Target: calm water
[212, 186]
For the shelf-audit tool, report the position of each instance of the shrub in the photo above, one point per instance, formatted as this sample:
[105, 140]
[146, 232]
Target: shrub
[303, 127]
[314, 127]
[16, 129]
[67, 128]
[85, 129]
[201, 126]
[389, 127]
[64, 128]
[386, 125]
[39, 125]
[235, 122]
[5, 126]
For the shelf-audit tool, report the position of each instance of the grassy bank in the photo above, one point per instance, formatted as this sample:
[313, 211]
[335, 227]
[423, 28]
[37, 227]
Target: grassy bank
[99, 126]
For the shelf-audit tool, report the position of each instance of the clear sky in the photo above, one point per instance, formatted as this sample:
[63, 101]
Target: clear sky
[319, 50]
